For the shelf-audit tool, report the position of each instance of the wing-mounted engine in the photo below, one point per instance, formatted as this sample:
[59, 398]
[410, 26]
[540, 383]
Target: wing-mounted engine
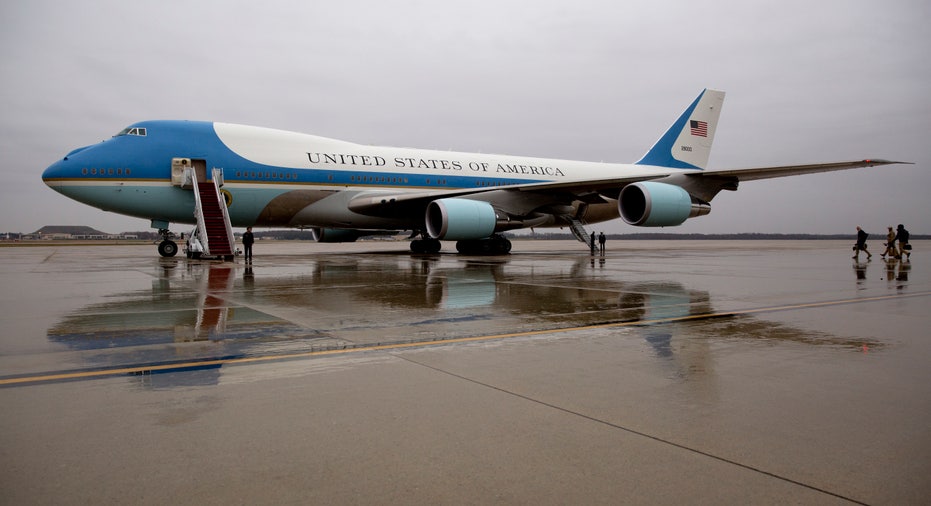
[458, 219]
[652, 204]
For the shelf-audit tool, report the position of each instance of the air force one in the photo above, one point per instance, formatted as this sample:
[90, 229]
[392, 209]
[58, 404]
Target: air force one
[158, 170]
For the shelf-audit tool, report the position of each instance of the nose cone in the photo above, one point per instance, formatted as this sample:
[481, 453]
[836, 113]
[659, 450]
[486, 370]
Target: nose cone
[54, 174]
[58, 173]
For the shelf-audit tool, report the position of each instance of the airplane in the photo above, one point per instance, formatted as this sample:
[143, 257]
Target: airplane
[343, 191]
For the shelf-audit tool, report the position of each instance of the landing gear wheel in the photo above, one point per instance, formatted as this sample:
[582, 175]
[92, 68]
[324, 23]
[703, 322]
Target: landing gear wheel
[431, 246]
[503, 245]
[167, 248]
[494, 245]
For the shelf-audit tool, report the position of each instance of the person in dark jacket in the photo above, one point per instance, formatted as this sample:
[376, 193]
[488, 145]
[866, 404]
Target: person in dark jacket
[861, 244]
[901, 235]
[247, 240]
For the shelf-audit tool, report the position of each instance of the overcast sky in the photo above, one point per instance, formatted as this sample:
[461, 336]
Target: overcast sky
[806, 82]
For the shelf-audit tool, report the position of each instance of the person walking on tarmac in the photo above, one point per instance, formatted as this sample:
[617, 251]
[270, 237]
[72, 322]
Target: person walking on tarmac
[861, 244]
[247, 240]
[904, 248]
[601, 241]
[592, 243]
[890, 243]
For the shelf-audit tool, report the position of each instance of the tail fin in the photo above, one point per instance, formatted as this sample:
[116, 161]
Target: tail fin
[687, 143]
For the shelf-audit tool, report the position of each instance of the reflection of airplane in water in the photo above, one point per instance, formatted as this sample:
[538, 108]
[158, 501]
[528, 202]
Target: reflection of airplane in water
[184, 305]
[344, 302]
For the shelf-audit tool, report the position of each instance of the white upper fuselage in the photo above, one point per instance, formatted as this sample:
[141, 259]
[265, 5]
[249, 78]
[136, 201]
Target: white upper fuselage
[280, 178]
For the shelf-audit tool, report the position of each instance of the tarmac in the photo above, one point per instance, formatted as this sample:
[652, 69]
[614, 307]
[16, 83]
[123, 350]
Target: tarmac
[663, 372]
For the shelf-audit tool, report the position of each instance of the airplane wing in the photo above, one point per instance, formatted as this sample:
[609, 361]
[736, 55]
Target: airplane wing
[794, 170]
[705, 184]
[369, 202]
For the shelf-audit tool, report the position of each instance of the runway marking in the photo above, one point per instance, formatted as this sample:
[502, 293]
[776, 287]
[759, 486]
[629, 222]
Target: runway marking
[200, 364]
[636, 432]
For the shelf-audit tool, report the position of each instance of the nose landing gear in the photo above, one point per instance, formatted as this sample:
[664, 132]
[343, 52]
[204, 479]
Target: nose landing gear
[167, 248]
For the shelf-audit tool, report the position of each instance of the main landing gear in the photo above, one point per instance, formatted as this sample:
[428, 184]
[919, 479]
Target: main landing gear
[494, 245]
[167, 248]
[425, 245]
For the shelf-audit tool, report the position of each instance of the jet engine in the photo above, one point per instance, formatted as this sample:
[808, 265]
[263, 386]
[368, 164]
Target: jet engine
[652, 204]
[460, 219]
[334, 234]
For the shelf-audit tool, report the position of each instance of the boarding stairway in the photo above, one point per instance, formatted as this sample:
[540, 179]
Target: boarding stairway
[214, 230]
[578, 230]
[576, 226]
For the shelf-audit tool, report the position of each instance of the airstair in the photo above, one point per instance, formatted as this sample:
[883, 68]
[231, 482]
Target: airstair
[577, 226]
[214, 231]
[578, 229]
[213, 236]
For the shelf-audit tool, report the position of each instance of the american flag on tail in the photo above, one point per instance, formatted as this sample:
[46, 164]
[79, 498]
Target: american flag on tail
[699, 128]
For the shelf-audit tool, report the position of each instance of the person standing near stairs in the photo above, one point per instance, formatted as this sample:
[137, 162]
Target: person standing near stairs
[247, 240]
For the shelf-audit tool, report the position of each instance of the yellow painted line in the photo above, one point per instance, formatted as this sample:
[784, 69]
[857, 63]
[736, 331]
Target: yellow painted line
[418, 344]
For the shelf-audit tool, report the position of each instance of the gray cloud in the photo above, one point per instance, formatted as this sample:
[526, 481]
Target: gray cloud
[589, 80]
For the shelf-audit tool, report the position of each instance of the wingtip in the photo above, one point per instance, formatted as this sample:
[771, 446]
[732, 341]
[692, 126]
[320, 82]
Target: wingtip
[878, 161]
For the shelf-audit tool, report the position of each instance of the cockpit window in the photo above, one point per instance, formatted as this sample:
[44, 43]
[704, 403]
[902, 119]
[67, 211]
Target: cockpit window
[132, 131]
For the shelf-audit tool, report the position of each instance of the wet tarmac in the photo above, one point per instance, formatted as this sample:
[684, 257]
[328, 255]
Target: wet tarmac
[663, 372]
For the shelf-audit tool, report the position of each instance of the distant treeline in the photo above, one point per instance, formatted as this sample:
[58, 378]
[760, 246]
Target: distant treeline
[717, 237]
[305, 235]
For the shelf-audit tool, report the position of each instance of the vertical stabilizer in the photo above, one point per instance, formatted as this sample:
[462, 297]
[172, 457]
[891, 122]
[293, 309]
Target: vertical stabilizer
[687, 143]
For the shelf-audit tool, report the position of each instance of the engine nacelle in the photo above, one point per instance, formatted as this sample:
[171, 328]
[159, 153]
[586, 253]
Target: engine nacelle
[334, 234]
[652, 204]
[460, 219]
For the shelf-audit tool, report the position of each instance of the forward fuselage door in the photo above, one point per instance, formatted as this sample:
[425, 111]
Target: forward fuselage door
[185, 170]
